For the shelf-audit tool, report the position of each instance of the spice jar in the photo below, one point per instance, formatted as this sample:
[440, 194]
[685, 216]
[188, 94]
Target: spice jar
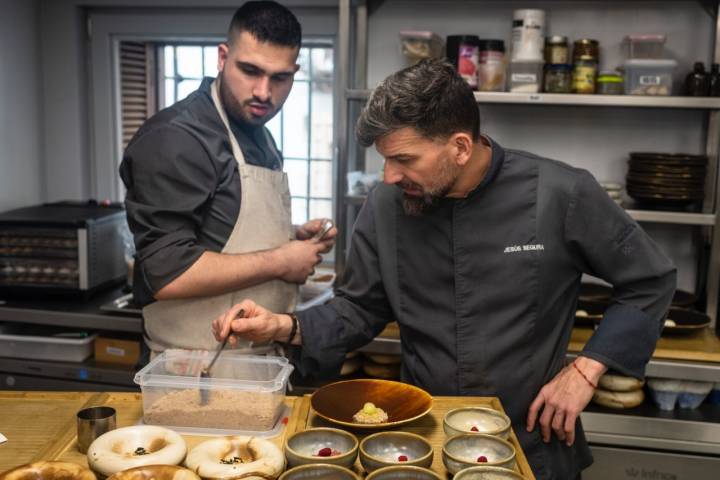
[585, 48]
[585, 65]
[558, 79]
[462, 51]
[610, 83]
[491, 66]
[556, 50]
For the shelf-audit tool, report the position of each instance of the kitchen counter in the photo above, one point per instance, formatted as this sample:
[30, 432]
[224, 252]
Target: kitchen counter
[41, 425]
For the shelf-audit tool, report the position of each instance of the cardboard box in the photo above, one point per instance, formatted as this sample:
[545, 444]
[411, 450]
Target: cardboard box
[115, 350]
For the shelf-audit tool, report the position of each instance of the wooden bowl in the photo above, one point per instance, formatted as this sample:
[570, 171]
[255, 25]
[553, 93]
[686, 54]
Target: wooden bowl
[155, 472]
[48, 471]
[338, 402]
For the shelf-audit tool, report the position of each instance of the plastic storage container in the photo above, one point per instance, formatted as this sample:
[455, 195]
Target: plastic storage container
[649, 77]
[419, 44]
[645, 46]
[246, 393]
[38, 342]
[525, 76]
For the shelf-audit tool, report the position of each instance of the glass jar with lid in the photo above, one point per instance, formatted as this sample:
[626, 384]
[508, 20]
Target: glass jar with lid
[610, 83]
[586, 49]
[556, 50]
[558, 78]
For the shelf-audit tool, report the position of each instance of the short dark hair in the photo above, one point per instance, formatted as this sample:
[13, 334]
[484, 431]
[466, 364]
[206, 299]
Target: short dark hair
[268, 22]
[429, 96]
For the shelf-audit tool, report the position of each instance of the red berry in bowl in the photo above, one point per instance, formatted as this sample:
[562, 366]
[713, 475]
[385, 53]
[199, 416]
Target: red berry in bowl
[474, 429]
[324, 452]
[402, 458]
[482, 459]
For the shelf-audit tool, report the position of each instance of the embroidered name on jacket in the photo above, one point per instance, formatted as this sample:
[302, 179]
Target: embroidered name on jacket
[523, 248]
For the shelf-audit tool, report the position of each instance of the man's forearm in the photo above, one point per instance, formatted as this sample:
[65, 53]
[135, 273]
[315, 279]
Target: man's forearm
[217, 273]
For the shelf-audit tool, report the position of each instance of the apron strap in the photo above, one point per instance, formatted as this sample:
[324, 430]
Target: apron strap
[237, 152]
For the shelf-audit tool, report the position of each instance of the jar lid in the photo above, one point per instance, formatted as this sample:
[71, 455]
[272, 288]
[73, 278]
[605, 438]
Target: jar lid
[492, 44]
[586, 41]
[556, 40]
[463, 38]
[609, 77]
[559, 67]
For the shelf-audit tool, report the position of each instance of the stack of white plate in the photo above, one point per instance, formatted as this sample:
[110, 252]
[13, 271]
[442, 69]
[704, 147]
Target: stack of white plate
[613, 189]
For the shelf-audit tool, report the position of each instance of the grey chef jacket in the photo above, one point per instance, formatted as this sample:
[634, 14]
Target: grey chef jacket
[484, 290]
[183, 187]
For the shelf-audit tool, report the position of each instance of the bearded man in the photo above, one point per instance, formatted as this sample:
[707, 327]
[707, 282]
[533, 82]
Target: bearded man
[207, 200]
[477, 252]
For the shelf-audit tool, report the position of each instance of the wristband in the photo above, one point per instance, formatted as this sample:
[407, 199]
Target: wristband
[585, 377]
[293, 329]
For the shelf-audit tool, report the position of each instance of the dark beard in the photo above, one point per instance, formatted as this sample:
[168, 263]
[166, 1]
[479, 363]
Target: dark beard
[416, 206]
[234, 110]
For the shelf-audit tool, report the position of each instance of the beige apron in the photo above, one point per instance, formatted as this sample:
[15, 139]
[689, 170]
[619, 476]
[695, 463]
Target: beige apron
[264, 222]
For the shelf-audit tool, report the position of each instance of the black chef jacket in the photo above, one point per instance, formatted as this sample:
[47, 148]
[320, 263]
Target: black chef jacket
[183, 187]
[484, 290]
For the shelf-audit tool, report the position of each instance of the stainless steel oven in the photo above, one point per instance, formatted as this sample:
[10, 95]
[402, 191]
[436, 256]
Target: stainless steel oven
[61, 247]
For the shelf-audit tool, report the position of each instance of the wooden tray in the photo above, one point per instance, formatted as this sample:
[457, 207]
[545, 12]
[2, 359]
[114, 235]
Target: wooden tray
[34, 423]
[129, 411]
[429, 427]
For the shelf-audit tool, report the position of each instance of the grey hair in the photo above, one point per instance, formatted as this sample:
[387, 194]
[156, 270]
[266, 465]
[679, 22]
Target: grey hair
[430, 96]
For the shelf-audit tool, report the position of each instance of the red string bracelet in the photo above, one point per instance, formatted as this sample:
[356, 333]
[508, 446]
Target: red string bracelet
[583, 375]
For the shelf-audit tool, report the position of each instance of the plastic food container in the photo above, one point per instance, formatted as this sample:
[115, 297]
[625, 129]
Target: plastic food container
[645, 46]
[525, 76]
[417, 44]
[38, 342]
[649, 77]
[686, 393]
[246, 393]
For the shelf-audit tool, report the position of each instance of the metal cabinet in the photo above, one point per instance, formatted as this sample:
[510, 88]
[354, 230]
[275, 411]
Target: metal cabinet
[351, 72]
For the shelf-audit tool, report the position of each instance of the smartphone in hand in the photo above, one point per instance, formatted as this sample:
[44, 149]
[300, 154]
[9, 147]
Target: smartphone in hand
[324, 229]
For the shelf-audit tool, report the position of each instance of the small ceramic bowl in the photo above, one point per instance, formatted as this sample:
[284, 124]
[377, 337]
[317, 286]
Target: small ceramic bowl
[487, 473]
[403, 472]
[319, 471]
[386, 449]
[467, 449]
[305, 447]
[482, 419]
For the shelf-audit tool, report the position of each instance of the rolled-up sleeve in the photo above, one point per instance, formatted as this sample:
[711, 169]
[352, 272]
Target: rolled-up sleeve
[608, 244]
[357, 314]
[169, 177]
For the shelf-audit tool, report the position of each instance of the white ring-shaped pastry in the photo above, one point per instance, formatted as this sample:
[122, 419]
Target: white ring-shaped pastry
[259, 459]
[48, 471]
[116, 450]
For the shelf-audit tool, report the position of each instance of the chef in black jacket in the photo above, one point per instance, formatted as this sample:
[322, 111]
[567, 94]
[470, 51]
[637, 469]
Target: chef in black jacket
[477, 251]
[207, 200]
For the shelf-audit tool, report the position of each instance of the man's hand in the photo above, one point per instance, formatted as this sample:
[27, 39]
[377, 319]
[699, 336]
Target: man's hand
[257, 324]
[312, 228]
[564, 398]
[298, 258]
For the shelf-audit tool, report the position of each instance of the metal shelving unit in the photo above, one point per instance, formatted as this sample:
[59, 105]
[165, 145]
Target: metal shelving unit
[352, 91]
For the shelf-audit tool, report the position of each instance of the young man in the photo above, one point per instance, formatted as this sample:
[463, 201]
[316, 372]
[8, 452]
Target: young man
[477, 252]
[207, 200]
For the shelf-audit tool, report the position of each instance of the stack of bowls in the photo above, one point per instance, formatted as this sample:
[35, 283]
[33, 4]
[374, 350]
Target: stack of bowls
[665, 180]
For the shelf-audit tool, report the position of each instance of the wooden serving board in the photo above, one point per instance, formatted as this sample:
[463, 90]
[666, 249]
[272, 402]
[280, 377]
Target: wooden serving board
[34, 423]
[430, 427]
[129, 411]
[700, 346]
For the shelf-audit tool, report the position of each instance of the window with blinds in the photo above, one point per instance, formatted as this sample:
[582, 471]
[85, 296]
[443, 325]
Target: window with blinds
[137, 86]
